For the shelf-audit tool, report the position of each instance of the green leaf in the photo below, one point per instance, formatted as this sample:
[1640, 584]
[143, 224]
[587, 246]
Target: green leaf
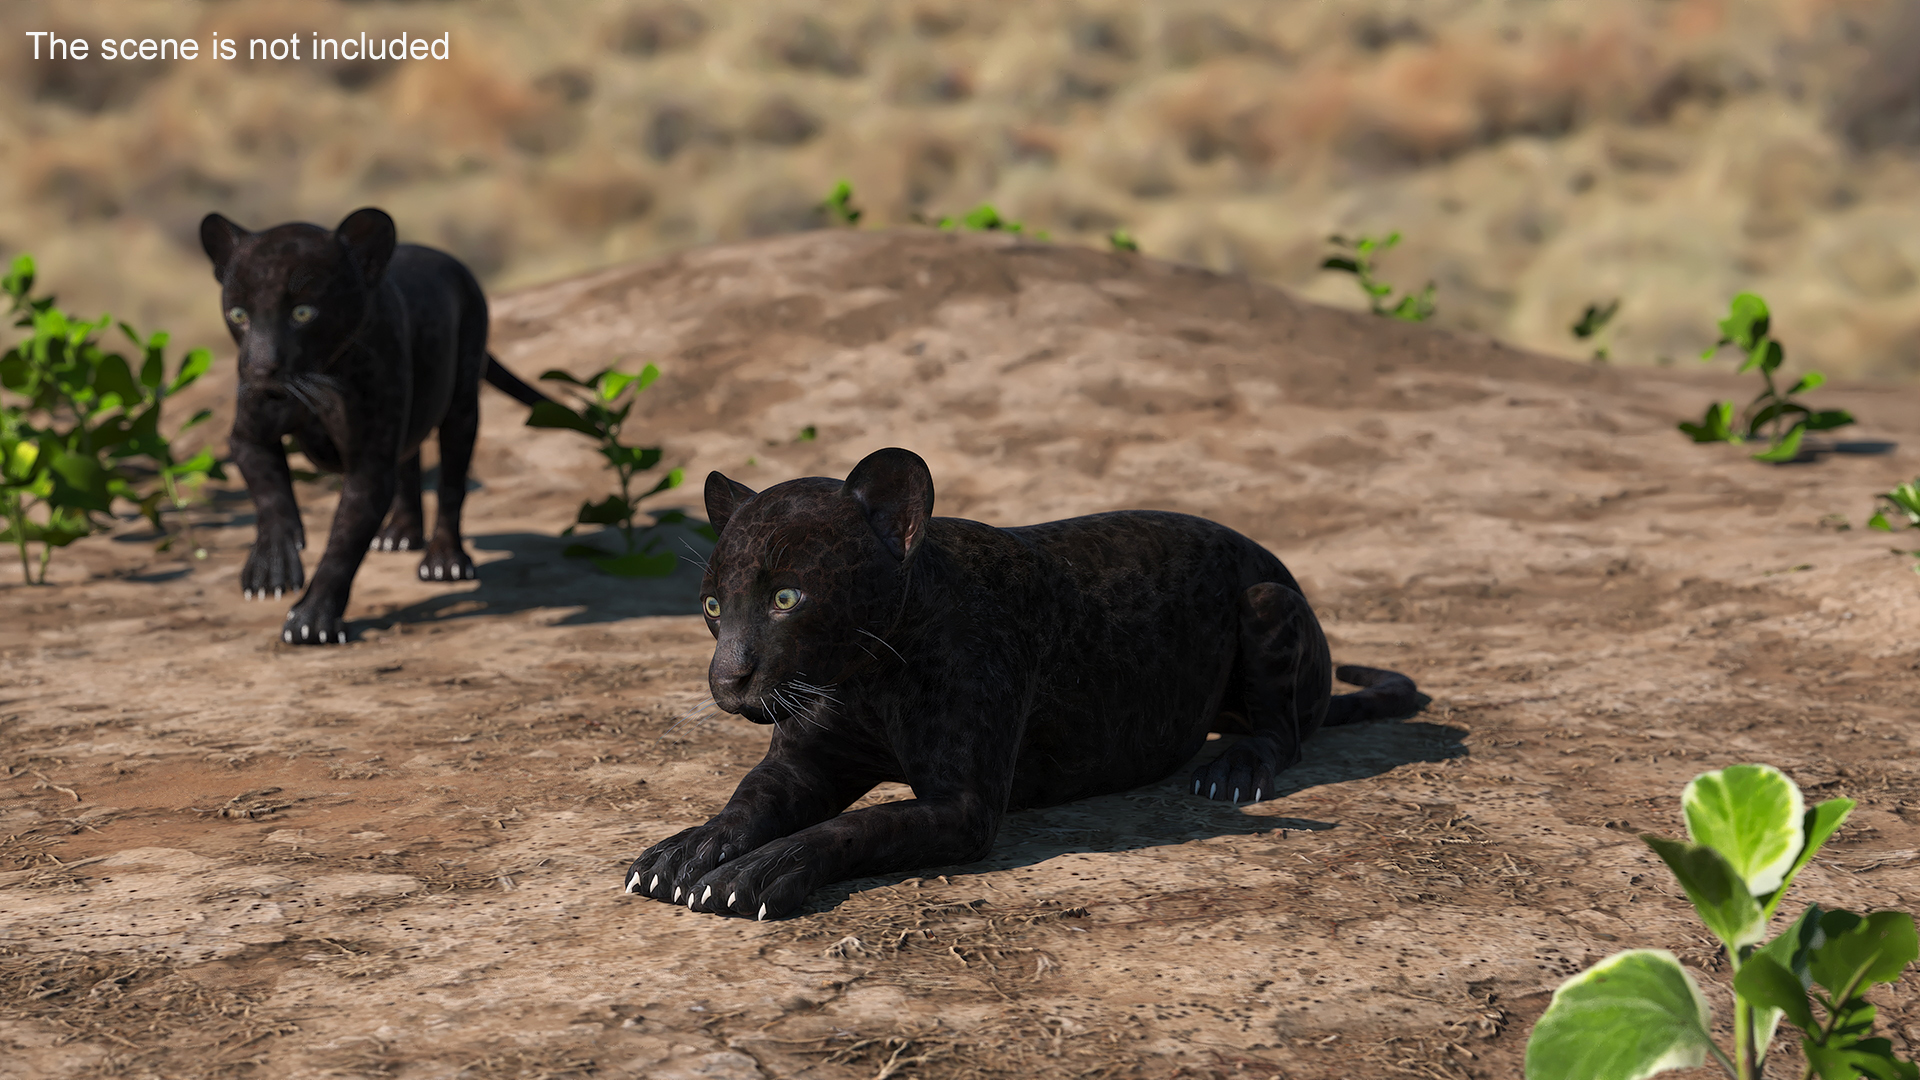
[1787, 449]
[582, 551]
[1765, 982]
[647, 376]
[610, 511]
[19, 278]
[1340, 262]
[1861, 952]
[1812, 380]
[807, 434]
[1122, 240]
[556, 375]
[1879, 521]
[1753, 816]
[552, 414]
[1828, 419]
[112, 376]
[639, 564]
[1628, 1017]
[1717, 890]
[1789, 952]
[1715, 426]
[1766, 355]
[1816, 827]
[613, 383]
[194, 365]
[1867, 1057]
[1746, 323]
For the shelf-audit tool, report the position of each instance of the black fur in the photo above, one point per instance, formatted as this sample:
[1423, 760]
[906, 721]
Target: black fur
[991, 669]
[357, 347]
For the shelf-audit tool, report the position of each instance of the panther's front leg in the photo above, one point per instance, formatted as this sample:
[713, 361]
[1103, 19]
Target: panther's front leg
[320, 616]
[273, 565]
[804, 779]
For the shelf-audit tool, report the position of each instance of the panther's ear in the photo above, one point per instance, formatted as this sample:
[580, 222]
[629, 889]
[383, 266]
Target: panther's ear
[895, 488]
[220, 237]
[724, 496]
[368, 236]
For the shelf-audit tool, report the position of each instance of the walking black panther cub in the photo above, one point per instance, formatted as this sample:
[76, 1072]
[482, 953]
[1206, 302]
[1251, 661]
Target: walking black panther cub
[991, 669]
[357, 347]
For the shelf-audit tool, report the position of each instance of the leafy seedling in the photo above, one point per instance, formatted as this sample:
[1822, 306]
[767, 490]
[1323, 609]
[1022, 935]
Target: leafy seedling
[1357, 259]
[1593, 325]
[81, 427]
[984, 218]
[1122, 240]
[598, 414]
[838, 204]
[1772, 414]
[1639, 1012]
[1901, 505]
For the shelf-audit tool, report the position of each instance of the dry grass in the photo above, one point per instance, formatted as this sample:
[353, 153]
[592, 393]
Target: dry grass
[142, 1015]
[1661, 153]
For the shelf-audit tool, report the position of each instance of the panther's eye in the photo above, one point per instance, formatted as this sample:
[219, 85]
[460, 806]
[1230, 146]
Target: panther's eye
[785, 599]
[304, 313]
[713, 607]
[237, 316]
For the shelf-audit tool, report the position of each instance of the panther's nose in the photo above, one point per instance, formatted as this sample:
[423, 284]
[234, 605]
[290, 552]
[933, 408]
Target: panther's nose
[731, 671]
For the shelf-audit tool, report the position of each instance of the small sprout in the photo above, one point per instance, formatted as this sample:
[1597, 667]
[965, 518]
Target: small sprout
[1592, 326]
[807, 434]
[597, 418]
[984, 218]
[1357, 260]
[1122, 240]
[838, 204]
[1772, 414]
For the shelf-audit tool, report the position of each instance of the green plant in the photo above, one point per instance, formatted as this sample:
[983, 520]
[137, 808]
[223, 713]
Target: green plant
[984, 218]
[599, 416]
[1358, 261]
[1784, 421]
[838, 204]
[1638, 1013]
[82, 428]
[1122, 240]
[1593, 324]
[1901, 504]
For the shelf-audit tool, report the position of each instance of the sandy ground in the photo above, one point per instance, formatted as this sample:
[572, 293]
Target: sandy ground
[225, 856]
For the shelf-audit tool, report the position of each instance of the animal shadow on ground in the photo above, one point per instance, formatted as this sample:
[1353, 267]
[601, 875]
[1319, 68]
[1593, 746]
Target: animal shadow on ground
[535, 574]
[1167, 814]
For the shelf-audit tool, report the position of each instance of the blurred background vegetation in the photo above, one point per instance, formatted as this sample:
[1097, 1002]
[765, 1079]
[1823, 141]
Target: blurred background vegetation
[1538, 155]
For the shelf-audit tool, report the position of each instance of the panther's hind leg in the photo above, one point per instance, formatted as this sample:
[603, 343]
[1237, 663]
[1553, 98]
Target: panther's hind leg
[447, 558]
[1287, 677]
[405, 528]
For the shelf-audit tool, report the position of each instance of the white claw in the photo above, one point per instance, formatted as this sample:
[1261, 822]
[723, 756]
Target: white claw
[763, 912]
[704, 895]
[654, 884]
[731, 897]
[277, 593]
[305, 632]
[676, 894]
[634, 883]
[1211, 788]
[343, 637]
[1196, 787]
[286, 635]
[1256, 794]
[423, 573]
[1236, 796]
[246, 594]
[404, 544]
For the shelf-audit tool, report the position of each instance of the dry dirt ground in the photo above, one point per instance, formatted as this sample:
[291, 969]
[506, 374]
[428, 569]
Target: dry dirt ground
[225, 856]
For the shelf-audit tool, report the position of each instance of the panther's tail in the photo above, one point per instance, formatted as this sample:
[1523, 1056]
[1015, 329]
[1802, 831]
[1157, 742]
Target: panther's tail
[1384, 695]
[509, 383]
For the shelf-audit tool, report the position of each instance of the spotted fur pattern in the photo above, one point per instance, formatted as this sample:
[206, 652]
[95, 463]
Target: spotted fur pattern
[990, 669]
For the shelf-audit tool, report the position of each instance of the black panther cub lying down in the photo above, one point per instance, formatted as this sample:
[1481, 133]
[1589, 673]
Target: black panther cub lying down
[990, 669]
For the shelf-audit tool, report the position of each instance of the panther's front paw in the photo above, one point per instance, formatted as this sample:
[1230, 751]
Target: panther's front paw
[667, 870]
[446, 562]
[769, 882]
[1245, 772]
[273, 567]
[314, 623]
